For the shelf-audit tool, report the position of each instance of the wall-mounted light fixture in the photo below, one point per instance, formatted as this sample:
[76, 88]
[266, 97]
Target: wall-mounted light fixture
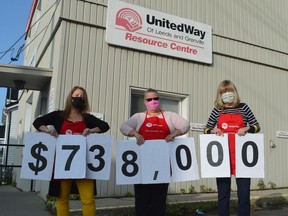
[19, 84]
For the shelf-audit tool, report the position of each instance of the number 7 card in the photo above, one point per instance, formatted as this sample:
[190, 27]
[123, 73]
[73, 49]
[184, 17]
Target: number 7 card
[70, 157]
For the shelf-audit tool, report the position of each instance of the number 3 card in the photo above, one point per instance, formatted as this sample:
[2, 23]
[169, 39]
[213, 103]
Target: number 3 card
[99, 153]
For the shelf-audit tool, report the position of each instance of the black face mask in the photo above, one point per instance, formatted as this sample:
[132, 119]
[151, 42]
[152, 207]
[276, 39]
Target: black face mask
[78, 102]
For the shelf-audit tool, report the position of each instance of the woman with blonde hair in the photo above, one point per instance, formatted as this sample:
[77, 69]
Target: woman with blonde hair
[232, 117]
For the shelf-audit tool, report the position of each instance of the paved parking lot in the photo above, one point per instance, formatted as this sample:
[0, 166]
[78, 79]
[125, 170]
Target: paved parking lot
[17, 203]
[275, 211]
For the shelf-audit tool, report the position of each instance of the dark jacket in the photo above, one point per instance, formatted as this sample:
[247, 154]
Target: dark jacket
[56, 119]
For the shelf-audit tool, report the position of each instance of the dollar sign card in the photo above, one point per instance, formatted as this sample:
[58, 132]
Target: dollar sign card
[38, 156]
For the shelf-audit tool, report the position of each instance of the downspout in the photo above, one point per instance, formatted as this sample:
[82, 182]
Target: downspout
[8, 136]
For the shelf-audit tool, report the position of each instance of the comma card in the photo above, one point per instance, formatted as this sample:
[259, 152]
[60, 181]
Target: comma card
[155, 162]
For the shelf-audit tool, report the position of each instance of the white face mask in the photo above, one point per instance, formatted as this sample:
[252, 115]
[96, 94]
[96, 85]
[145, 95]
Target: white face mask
[227, 97]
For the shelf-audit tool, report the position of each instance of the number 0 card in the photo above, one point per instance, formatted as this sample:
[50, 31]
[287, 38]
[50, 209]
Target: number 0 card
[183, 160]
[214, 151]
[250, 156]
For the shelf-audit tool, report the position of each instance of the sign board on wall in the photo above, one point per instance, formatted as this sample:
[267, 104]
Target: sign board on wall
[140, 28]
[282, 134]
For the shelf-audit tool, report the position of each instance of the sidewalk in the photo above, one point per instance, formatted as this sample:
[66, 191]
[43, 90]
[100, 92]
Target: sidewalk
[16, 203]
[259, 199]
[13, 202]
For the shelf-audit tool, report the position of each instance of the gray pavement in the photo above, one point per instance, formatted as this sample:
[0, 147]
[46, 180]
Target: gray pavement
[13, 202]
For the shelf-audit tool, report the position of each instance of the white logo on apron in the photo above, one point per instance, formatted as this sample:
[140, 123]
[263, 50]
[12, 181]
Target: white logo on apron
[149, 125]
[224, 125]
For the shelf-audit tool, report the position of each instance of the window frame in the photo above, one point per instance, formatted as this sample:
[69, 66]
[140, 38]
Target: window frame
[181, 98]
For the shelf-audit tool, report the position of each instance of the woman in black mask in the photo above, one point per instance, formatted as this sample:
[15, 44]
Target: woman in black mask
[74, 119]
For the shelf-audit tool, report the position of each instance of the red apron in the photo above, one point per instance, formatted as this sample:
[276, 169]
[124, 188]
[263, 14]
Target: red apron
[230, 123]
[69, 127]
[154, 128]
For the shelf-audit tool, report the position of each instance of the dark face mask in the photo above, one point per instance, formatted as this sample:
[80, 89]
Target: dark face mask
[78, 102]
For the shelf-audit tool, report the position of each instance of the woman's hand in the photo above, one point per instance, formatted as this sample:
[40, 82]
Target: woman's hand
[169, 138]
[140, 139]
[172, 136]
[86, 132]
[217, 132]
[45, 129]
[53, 132]
[243, 131]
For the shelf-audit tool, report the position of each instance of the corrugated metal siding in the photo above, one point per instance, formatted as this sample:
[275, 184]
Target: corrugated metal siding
[124, 68]
[249, 46]
[259, 22]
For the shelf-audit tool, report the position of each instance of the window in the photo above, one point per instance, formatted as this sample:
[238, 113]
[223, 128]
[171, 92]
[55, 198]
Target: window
[169, 101]
[39, 5]
[38, 15]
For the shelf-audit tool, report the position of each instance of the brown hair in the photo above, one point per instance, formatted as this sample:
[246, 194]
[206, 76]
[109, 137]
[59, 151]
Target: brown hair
[68, 103]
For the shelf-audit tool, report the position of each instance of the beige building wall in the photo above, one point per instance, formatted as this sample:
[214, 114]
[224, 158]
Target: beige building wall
[249, 47]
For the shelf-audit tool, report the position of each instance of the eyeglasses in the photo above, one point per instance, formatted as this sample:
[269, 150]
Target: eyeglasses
[150, 99]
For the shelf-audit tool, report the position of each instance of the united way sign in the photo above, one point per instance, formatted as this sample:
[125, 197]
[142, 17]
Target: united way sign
[140, 28]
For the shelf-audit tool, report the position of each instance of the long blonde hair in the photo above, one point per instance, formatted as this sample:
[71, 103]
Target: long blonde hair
[226, 85]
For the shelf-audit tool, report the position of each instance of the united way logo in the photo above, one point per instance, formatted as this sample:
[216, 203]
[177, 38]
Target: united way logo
[224, 125]
[149, 125]
[129, 19]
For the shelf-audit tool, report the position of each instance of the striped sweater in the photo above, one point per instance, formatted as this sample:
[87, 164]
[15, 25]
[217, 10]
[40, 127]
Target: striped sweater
[247, 114]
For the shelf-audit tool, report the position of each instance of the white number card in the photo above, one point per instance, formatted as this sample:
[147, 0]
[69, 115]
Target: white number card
[38, 156]
[250, 156]
[215, 160]
[184, 166]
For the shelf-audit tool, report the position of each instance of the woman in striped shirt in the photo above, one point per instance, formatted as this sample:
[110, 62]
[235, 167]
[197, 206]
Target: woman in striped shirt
[231, 117]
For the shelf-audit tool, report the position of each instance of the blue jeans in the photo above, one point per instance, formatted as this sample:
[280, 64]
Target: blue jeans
[243, 193]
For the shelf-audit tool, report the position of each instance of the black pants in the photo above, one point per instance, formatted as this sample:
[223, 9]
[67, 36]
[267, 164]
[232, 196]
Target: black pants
[243, 193]
[150, 199]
